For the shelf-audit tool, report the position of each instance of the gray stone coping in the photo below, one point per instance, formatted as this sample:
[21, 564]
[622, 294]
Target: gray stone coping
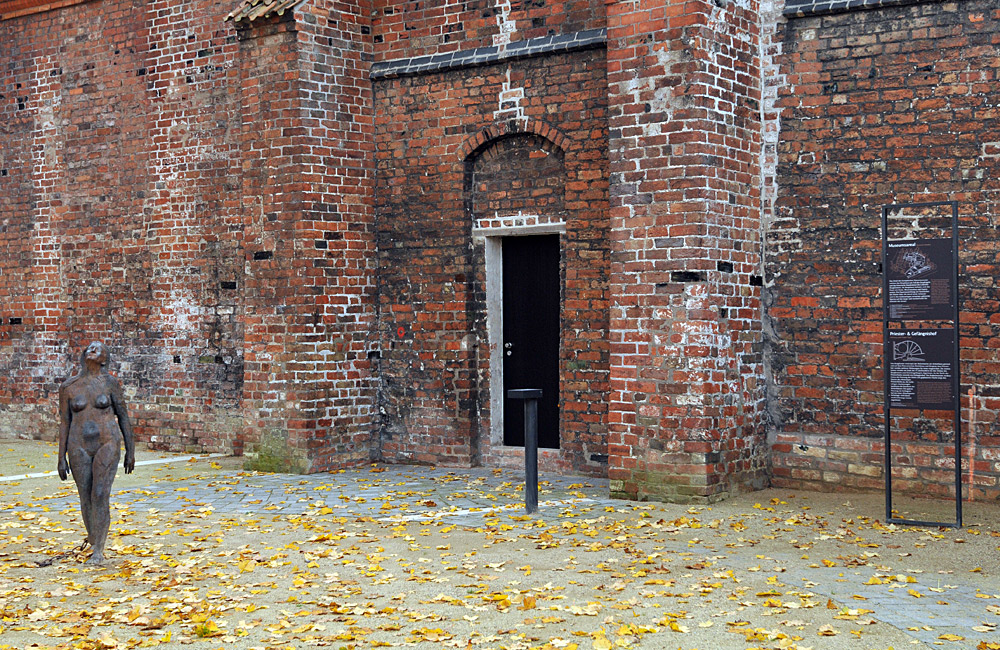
[803, 8]
[493, 54]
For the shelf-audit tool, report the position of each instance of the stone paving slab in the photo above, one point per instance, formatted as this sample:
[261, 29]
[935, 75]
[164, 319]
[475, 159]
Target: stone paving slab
[415, 493]
[924, 618]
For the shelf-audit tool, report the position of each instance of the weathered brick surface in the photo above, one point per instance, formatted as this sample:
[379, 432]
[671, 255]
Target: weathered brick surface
[308, 196]
[283, 230]
[881, 106]
[118, 133]
[481, 149]
[686, 391]
[201, 203]
[403, 30]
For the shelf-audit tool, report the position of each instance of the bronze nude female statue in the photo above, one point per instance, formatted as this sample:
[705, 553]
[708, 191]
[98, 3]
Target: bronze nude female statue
[93, 422]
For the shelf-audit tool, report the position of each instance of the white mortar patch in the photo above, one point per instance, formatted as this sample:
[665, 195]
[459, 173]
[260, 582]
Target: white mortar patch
[506, 25]
[509, 101]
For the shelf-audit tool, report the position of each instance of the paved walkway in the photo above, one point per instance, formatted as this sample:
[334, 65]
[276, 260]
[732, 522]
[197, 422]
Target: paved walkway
[469, 497]
[464, 497]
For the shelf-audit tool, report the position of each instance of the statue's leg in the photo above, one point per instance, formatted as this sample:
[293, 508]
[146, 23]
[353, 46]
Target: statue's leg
[105, 466]
[80, 464]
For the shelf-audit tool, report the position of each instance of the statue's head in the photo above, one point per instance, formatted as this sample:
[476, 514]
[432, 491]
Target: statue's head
[96, 352]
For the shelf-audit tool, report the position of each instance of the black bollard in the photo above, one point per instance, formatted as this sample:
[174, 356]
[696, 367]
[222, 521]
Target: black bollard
[530, 397]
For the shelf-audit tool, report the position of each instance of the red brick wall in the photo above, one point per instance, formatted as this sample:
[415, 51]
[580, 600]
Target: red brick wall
[447, 156]
[286, 255]
[882, 106]
[118, 140]
[406, 29]
[686, 395]
[203, 205]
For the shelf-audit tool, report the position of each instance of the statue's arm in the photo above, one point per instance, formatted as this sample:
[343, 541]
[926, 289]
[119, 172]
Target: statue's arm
[121, 410]
[65, 415]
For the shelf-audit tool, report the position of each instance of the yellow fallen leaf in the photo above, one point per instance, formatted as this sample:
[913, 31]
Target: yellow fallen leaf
[39, 615]
[951, 637]
[207, 629]
[433, 635]
[562, 644]
[677, 627]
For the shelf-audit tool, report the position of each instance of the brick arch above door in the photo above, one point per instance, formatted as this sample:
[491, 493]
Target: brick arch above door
[500, 129]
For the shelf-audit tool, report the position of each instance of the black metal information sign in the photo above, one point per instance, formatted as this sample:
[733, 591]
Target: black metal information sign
[920, 279]
[921, 368]
[921, 364]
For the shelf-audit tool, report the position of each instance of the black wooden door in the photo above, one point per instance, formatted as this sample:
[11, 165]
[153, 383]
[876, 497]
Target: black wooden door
[531, 334]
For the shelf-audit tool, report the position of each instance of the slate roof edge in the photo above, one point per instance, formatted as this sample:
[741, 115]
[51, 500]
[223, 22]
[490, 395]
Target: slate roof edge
[826, 7]
[531, 47]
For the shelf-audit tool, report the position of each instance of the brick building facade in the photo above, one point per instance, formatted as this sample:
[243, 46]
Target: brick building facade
[328, 233]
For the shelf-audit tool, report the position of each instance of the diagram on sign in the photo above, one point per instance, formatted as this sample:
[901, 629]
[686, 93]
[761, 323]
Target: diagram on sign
[921, 368]
[907, 351]
[919, 287]
[916, 264]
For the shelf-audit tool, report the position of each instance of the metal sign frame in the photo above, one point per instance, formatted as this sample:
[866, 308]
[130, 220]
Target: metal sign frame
[956, 358]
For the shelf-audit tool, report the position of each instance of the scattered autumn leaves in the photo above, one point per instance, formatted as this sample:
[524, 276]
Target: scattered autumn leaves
[409, 570]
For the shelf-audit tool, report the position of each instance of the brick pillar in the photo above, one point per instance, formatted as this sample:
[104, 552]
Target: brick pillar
[686, 370]
[308, 205]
